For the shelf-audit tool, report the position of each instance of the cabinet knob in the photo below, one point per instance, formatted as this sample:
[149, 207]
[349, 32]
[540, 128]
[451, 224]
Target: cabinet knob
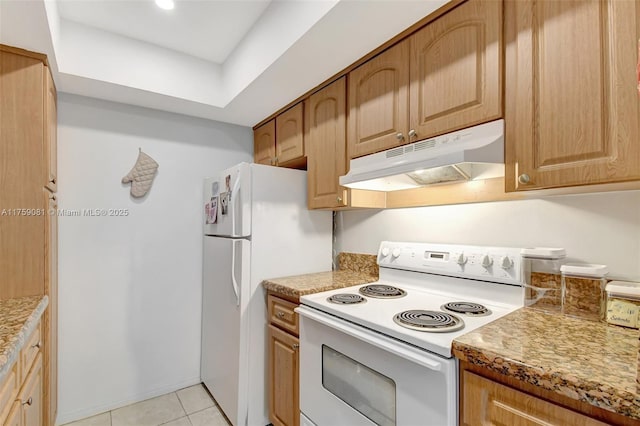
[280, 314]
[37, 345]
[399, 136]
[28, 401]
[295, 346]
[339, 199]
[524, 178]
[413, 133]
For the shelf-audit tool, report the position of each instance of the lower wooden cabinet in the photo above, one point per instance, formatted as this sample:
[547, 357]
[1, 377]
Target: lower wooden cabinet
[31, 397]
[284, 362]
[284, 404]
[490, 398]
[22, 390]
[490, 403]
[14, 418]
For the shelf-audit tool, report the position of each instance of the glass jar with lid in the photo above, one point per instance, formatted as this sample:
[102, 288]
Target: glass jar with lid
[583, 288]
[543, 283]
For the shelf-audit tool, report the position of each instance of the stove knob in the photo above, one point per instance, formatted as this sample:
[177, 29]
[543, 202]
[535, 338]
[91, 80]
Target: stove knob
[460, 259]
[385, 251]
[487, 261]
[396, 252]
[506, 263]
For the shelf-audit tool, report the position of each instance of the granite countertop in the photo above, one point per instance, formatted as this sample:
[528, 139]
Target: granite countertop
[300, 285]
[18, 318]
[585, 360]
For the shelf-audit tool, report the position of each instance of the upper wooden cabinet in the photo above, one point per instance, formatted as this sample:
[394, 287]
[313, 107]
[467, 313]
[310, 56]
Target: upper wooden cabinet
[326, 146]
[446, 76]
[379, 102]
[264, 144]
[289, 135]
[23, 173]
[280, 142]
[572, 105]
[456, 70]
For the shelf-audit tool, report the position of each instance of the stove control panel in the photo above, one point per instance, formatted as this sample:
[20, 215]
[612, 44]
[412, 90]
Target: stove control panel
[498, 264]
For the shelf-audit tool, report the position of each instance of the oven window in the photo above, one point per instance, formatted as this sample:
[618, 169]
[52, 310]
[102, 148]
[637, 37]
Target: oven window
[364, 389]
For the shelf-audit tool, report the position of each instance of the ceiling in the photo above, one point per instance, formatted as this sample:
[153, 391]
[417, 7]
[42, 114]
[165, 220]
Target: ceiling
[203, 28]
[232, 61]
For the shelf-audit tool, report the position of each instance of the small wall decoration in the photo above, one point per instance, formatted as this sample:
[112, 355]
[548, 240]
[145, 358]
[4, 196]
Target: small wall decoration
[141, 175]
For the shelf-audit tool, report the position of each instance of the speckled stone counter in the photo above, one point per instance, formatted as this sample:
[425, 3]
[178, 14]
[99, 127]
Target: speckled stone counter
[300, 285]
[585, 360]
[18, 318]
[357, 262]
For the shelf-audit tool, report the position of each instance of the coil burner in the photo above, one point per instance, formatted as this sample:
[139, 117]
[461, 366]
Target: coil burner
[346, 299]
[466, 308]
[382, 291]
[432, 321]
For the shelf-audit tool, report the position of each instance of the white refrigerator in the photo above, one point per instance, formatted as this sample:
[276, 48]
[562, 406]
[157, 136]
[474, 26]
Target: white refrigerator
[256, 226]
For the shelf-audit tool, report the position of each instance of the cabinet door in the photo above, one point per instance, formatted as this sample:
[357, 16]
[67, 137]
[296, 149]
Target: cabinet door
[264, 144]
[289, 135]
[14, 415]
[31, 396]
[22, 237]
[284, 404]
[379, 102]
[456, 70]
[486, 402]
[572, 105]
[326, 146]
[51, 136]
[51, 314]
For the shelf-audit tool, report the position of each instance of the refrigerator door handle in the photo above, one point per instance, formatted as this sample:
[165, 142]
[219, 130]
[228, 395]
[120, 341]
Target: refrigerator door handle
[235, 210]
[234, 282]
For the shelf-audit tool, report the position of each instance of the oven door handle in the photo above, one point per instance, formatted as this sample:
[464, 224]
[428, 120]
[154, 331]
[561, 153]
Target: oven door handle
[388, 344]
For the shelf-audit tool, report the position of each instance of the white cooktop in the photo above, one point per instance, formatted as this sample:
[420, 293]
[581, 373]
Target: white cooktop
[429, 291]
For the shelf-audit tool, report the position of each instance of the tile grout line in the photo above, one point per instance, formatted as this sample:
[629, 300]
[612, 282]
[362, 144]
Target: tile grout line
[181, 404]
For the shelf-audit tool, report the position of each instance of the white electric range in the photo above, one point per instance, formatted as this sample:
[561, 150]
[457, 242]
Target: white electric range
[381, 353]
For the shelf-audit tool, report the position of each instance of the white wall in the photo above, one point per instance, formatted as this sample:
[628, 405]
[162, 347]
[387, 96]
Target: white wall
[130, 287]
[595, 228]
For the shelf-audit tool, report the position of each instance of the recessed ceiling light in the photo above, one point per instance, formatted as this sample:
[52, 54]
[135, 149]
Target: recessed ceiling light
[165, 4]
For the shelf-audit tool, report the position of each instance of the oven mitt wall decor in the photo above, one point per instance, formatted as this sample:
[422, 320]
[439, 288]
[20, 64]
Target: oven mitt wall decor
[141, 175]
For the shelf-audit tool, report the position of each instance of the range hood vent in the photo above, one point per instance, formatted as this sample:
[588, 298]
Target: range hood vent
[473, 153]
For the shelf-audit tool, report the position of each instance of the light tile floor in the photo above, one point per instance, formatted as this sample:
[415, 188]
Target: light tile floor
[191, 406]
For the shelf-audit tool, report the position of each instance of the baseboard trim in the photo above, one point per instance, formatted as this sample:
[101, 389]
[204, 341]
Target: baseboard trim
[72, 416]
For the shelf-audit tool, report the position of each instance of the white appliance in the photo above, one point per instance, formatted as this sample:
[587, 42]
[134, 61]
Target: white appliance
[473, 153]
[257, 226]
[361, 365]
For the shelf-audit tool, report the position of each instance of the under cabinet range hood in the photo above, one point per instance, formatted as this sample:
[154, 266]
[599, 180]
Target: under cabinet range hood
[472, 153]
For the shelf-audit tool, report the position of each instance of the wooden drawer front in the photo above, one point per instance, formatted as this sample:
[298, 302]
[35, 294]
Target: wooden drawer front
[14, 415]
[31, 396]
[30, 351]
[281, 314]
[8, 391]
[486, 402]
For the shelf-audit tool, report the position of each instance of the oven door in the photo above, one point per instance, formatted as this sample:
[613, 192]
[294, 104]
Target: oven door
[350, 375]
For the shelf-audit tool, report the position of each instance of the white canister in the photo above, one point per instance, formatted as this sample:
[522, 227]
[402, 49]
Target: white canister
[623, 304]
